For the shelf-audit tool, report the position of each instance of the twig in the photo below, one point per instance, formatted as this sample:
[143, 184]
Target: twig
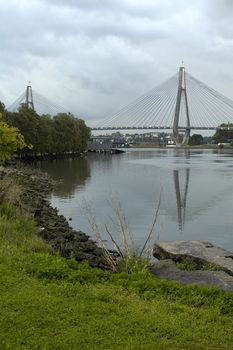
[114, 242]
[153, 225]
[123, 233]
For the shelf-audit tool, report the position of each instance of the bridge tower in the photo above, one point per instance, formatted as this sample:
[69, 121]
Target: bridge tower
[181, 136]
[29, 98]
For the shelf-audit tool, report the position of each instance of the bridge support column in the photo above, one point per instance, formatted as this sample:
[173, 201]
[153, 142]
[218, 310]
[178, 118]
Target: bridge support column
[29, 98]
[181, 139]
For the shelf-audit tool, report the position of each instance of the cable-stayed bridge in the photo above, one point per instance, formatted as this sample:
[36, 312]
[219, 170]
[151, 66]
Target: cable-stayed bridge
[37, 102]
[182, 103]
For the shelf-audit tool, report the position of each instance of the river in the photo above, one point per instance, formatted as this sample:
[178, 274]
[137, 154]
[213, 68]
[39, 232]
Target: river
[195, 187]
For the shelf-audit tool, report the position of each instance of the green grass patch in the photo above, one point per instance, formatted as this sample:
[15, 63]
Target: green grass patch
[48, 302]
[192, 265]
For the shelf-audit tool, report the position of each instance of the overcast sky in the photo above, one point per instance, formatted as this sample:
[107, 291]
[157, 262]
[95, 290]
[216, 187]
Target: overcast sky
[95, 56]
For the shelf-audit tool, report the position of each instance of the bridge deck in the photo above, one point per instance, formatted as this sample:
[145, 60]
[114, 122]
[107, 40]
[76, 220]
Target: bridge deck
[162, 128]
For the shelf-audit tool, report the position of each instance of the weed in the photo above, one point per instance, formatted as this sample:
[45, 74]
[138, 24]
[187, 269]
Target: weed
[192, 265]
[130, 259]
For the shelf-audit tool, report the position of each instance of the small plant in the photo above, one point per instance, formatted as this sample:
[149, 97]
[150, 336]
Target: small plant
[9, 191]
[134, 264]
[4, 189]
[193, 265]
[11, 140]
[129, 259]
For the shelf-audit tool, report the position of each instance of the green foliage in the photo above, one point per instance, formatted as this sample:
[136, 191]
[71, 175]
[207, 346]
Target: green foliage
[62, 133]
[2, 108]
[70, 134]
[133, 264]
[10, 140]
[190, 265]
[224, 135]
[196, 139]
[130, 259]
[53, 303]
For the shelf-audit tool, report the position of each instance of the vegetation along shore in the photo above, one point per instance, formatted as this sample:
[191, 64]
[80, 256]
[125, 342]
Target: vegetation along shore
[65, 295]
[55, 303]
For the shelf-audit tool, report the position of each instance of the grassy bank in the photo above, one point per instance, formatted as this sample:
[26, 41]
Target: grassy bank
[48, 302]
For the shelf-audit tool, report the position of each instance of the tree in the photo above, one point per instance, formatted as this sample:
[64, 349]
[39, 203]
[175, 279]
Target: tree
[196, 139]
[10, 141]
[58, 134]
[82, 135]
[225, 135]
[70, 133]
[2, 107]
[45, 132]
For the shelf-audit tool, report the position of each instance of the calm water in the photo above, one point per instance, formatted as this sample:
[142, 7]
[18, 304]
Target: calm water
[196, 190]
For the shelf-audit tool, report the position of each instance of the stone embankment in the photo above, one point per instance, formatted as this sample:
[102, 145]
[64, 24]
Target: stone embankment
[207, 264]
[29, 190]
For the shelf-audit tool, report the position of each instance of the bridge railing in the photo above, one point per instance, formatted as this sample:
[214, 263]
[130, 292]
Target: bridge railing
[162, 128]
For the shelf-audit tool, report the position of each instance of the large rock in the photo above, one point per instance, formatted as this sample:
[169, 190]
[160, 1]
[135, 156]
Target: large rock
[167, 269]
[200, 252]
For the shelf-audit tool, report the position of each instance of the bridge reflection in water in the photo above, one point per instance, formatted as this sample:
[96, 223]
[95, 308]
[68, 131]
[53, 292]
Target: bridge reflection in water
[181, 195]
[197, 188]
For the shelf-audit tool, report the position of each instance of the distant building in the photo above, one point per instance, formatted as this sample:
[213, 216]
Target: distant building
[99, 144]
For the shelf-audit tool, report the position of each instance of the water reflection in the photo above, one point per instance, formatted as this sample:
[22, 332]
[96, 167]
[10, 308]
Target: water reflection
[181, 198]
[70, 175]
[197, 192]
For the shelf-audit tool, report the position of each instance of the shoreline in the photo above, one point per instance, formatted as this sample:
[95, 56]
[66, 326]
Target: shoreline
[30, 197]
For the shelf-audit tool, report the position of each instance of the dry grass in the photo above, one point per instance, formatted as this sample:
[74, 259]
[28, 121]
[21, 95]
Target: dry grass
[9, 190]
[129, 257]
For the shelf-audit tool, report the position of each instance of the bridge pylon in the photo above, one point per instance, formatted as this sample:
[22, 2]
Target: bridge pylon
[29, 98]
[181, 136]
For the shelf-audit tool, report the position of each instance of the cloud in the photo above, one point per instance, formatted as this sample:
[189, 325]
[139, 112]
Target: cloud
[96, 56]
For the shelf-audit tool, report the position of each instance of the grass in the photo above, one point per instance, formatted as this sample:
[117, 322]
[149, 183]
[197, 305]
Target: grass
[129, 259]
[191, 265]
[48, 302]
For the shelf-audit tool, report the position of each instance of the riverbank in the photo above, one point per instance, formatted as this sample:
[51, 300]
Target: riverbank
[155, 145]
[56, 303]
[27, 189]
[30, 158]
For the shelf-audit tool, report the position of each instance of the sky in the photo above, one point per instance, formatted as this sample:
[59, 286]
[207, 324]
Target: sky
[95, 56]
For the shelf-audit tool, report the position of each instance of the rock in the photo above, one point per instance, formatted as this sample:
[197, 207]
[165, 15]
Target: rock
[80, 236]
[167, 269]
[200, 252]
[34, 188]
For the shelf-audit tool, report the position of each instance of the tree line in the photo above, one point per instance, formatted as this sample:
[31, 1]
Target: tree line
[46, 134]
[225, 135]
